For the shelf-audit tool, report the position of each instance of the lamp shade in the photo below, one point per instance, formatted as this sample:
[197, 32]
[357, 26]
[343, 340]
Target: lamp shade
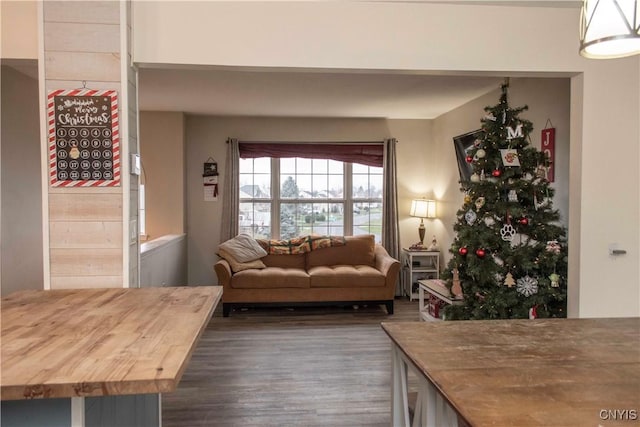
[423, 208]
[610, 28]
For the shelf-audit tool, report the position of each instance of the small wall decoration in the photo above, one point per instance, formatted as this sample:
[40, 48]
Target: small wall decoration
[548, 138]
[84, 140]
[210, 180]
[210, 168]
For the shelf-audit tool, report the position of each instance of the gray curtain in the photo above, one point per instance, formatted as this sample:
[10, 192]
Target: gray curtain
[390, 227]
[231, 192]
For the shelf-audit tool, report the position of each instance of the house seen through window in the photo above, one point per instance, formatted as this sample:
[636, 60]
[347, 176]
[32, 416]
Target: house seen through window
[288, 197]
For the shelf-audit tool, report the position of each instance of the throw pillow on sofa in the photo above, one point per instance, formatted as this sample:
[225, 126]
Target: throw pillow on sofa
[243, 248]
[237, 266]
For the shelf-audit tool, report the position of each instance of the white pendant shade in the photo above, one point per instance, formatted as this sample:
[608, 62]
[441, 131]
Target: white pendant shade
[610, 28]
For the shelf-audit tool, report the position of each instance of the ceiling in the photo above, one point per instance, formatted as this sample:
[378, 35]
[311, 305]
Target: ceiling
[307, 93]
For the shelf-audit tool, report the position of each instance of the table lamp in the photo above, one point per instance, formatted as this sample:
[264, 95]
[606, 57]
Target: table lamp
[422, 208]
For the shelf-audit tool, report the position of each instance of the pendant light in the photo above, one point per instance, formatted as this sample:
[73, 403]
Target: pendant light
[610, 28]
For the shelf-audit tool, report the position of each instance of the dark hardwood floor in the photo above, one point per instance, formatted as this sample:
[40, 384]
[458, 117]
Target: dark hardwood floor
[320, 366]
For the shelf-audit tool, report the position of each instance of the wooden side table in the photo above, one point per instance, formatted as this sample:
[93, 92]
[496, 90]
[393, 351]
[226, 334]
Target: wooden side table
[433, 296]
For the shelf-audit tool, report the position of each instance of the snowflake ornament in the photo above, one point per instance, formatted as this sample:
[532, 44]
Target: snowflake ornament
[527, 286]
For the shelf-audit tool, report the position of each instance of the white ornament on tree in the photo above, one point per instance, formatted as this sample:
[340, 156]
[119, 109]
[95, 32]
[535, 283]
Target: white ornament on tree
[527, 286]
[481, 153]
[512, 196]
[470, 217]
[474, 177]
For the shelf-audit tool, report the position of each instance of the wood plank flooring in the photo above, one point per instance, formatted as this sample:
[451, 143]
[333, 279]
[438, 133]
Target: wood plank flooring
[315, 366]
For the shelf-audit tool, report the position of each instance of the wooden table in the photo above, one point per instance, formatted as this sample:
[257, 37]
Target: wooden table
[83, 343]
[546, 372]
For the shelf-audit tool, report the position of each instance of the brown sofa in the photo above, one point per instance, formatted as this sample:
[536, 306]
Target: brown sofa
[359, 272]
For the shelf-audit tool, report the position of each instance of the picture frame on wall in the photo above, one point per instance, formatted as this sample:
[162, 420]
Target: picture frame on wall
[463, 145]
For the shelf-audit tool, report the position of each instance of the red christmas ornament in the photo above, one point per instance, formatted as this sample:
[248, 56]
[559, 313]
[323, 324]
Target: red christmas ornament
[524, 221]
[469, 159]
[480, 253]
[463, 251]
[496, 172]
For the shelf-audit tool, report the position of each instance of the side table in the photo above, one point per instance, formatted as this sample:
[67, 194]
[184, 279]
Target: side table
[418, 265]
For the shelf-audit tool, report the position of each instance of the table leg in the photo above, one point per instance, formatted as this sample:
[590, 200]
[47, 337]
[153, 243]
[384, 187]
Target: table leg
[399, 398]
[431, 409]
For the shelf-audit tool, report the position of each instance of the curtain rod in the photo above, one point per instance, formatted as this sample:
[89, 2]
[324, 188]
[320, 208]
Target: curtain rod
[313, 142]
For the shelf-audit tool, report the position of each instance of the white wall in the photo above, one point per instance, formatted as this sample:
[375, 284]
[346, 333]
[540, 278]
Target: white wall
[162, 150]
[419, 37]
[21, 252]
[19, 34]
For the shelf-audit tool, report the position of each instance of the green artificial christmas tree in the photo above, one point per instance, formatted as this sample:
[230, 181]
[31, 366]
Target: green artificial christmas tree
[509, 254]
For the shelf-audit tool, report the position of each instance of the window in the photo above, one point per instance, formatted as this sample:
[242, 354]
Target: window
[287, 197]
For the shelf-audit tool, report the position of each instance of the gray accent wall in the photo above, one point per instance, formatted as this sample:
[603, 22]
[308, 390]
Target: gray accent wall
[21, 232]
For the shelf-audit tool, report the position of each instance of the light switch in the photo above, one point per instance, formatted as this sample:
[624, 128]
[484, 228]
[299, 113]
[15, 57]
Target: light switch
[135, 164]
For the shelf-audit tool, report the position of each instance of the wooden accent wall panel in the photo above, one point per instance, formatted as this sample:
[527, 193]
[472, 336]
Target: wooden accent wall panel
[82, 43]
[72, 206]
[85, 235]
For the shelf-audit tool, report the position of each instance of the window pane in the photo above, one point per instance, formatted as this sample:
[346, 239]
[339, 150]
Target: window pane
[320, 166]
[254, 185]
[367, 219]
[255, 219]
[320, 190]
[288, 166]
[304, 186]
[358, 168]
[288, 188]
[289, 220]
[262, 165]
[336, 189]
[336, 167]
[246, 165]
[303, 165]
[375, 189]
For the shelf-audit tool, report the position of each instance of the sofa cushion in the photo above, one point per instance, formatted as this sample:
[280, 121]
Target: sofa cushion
[236, 265]
[285, 261]
[358, 250]
[271, 278]
[346, 276]
[243, 248]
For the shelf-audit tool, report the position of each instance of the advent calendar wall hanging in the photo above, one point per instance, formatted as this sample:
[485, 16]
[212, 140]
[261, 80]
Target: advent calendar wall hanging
[84, 140]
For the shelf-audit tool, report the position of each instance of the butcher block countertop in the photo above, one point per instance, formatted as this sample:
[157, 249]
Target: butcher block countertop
[546, 372]
[98, 342]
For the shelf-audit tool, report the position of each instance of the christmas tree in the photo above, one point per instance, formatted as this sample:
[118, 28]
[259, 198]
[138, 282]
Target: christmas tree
[509, 254]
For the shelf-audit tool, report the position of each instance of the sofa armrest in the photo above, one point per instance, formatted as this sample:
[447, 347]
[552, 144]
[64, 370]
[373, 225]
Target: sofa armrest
[388, 266]
[385, 262]
[223, 271]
